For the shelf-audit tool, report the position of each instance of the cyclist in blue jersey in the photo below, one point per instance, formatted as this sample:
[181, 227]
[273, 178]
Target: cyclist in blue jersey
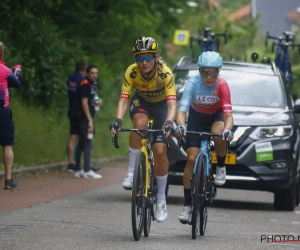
[207, 99]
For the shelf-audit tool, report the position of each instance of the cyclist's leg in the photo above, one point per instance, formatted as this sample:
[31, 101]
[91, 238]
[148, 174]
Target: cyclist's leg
[220, 147]
[196, 122]
[139, 116]
[158, 112]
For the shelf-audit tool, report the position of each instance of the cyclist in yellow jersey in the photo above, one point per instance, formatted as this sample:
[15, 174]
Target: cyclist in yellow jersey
[154, 98]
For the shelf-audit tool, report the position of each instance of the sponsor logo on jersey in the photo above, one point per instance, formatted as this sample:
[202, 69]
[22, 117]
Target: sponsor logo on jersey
[170, 83]
[126, 83]
[133, 74]
[126, 96]
[207, 100]
[171, 97]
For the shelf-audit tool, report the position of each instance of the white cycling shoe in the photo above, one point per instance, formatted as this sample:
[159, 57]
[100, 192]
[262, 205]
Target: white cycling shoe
[220, 177]
[185, 214]
[127, 182]
[161, 211]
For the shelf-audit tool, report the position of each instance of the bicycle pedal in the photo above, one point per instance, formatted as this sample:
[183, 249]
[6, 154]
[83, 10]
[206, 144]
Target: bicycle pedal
[184, 222]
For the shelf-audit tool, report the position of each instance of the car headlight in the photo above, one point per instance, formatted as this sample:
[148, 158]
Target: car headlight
[271, 132]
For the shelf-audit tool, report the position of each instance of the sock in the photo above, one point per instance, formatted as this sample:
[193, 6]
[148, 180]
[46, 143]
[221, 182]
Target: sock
[187, 197]
[161, 182]
[132, 157]
[221, 161]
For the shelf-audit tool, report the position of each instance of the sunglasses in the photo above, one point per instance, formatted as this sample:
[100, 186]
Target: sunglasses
[146, 57]
[211, 73]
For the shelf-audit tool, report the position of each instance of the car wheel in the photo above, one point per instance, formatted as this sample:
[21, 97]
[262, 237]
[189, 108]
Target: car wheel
[285, 200]
[298, 192]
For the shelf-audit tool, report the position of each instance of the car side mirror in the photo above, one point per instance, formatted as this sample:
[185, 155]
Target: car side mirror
[297, 106]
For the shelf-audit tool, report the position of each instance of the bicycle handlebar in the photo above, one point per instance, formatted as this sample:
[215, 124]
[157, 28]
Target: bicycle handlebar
[145, 132]
[297, 45]
[225, 34]
[179, 143]
[286, 44]
[289, 37]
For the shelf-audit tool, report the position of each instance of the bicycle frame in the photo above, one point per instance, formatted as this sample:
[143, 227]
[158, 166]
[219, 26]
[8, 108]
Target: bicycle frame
[144, 144]
[145, 147]
[287, 66]
[209, 40]
[204, 149]
[278, 58]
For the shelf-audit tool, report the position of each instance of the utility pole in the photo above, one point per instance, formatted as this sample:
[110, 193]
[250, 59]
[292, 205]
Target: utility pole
[253, 8]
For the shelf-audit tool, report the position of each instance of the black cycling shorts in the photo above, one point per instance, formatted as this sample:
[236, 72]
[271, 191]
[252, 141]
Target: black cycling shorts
[200, 122]
[155, 111]
[7, 127]
[74, 120]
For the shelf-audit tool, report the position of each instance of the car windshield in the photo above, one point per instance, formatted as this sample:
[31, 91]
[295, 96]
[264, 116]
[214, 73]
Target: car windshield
[247, 89]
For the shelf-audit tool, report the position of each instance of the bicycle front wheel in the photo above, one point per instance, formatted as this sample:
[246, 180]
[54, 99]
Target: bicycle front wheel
[138, 202]
[150, 200]
[205, 191]
[197, 193]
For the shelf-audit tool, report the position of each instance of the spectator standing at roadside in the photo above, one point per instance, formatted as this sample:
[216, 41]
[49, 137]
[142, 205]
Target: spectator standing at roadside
[8, 79]
[73, 84]
[89, 103]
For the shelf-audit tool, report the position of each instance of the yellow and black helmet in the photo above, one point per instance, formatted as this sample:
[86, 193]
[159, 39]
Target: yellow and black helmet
[145, 45]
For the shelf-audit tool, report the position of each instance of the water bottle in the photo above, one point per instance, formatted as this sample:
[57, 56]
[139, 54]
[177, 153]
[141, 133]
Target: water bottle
[17, 70]
[90, 134]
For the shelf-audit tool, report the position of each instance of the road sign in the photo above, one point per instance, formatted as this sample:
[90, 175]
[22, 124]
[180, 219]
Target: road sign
[181, 37]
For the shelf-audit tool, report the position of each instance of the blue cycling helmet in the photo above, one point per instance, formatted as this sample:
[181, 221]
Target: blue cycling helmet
[210, 59]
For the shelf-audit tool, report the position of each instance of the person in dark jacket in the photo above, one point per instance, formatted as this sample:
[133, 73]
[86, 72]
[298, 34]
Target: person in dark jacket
[73, 84]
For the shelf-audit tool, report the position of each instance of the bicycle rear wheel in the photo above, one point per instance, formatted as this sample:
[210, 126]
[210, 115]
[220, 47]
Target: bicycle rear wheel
[138, 202]
[197, 193]
[150, 200]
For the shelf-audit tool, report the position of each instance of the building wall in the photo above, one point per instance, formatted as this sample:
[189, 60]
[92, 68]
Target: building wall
[273, 15]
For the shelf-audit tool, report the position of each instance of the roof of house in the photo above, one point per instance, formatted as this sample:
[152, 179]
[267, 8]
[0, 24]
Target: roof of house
[240, 13]
[294, 15]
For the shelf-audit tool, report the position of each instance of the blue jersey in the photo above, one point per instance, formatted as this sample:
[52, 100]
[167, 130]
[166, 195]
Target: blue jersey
[73, 84]
[203, 99]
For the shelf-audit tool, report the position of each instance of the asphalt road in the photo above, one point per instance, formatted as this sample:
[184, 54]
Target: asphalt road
[99, 218]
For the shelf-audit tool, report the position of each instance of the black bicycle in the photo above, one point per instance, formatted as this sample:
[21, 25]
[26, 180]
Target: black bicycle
[144, 189]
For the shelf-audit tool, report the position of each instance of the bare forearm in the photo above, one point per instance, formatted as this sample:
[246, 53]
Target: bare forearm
[86, 111]
[181, 118]
[122, 107]
[228, 122]
[171, 110]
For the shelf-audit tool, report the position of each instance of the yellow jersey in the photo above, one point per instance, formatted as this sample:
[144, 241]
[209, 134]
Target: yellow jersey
[147, 89]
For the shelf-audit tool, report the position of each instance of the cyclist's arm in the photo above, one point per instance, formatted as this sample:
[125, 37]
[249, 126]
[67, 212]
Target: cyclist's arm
[170, 89]
[185, 103]
[125, 94]
[181, 117]
[122, 107]
[226, 106]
